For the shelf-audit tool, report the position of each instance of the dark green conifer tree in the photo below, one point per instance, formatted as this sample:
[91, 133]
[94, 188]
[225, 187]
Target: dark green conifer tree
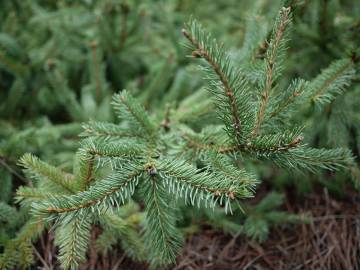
[173, 142]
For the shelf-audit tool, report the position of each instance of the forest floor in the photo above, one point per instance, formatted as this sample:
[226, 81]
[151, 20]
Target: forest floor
[329, 241]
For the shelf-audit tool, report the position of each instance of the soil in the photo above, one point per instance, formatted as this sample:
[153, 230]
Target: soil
[329, 241]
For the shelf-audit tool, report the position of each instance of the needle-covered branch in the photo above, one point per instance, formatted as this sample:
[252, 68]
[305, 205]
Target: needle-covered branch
[207, 188]
[175, 154]
[105, 130]
[40, 169]
[114, 190]
[72, 236]
[130, 110]
[273, 63]
[162, 237]
[229, 87]
[331, 82]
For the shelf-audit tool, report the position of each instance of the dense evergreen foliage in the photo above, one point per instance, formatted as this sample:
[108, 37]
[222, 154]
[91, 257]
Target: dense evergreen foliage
[263, 92]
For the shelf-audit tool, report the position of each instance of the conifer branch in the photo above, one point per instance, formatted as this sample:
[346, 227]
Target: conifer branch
[113, 149]
[293, 95]
[202, 52]
[113, 190]
[94, 153]
[84, 168]
[201, 145]
[232, 96]
[221, 165]
[8, 214]
[286, 150]
[130, 110]
[18, 248]
[29, 194]
[312, 159]
[64, 94]
[73, 237]
[117, 227]
[196, 187]
[272, 63]
[161, 155]
[280, 142]
[106, 130]
[331, 82]
[162, 238]
[40, 169]
[275, 143]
